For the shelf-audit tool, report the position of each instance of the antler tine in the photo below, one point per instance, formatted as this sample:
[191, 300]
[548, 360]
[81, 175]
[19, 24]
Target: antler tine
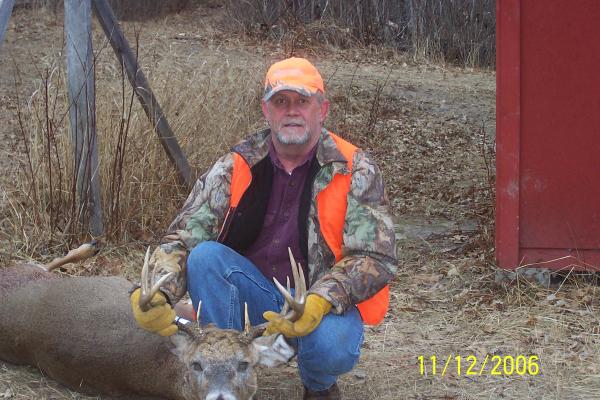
[299, 281]
[145, 281]
[247, 325]
[288, 297]
[300, 285]
[286, 306]
[303, 281]
[149, 290]
[153, 277]
[294, 268]
[198, 316]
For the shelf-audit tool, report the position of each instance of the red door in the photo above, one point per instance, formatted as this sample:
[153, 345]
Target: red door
[548, 134]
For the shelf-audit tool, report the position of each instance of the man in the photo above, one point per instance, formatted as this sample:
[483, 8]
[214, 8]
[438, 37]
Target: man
[293, 185]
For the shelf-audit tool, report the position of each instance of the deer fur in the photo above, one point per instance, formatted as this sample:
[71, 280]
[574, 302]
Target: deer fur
[80, 331]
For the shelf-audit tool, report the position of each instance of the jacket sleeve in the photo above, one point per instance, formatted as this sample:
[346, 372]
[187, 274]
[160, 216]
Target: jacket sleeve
[199, 220]
[369, 244]
[203, 212]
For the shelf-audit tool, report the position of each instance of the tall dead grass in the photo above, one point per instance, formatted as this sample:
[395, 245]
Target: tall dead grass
[210, 105]
[460, 31]
[457, 31]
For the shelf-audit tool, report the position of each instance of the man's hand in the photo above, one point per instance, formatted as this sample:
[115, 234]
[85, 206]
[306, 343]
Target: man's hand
[168, 259]
[159, 318]
[314, 309]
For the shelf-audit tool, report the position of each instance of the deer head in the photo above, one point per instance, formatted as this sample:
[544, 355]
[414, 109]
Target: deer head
[220, 363]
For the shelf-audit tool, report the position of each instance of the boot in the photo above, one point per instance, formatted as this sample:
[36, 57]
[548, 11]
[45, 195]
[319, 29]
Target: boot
[333, 393]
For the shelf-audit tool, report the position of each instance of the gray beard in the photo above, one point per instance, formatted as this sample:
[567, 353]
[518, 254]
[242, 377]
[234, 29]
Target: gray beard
[284, 139]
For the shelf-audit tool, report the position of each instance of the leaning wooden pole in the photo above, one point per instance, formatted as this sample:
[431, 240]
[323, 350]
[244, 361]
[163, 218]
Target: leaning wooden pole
[82, 111]
[6, 7]
[142, 90]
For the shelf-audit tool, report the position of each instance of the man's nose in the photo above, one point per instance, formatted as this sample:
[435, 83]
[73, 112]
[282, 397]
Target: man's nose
[292, 109]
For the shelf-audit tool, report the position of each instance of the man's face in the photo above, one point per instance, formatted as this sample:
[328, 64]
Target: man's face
[295, 119]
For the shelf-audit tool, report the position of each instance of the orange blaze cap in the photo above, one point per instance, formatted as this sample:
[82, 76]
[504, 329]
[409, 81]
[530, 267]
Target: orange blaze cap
[296, 74]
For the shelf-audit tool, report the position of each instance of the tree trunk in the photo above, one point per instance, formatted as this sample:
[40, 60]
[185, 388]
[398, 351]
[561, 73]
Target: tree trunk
[80, 76]
[6, 7]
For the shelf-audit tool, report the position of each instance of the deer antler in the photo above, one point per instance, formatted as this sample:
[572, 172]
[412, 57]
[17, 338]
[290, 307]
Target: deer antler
[296, 303]
[149, 289]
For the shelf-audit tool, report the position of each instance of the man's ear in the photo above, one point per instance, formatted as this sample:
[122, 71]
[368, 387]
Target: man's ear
[265, 109]
[272, 350]
[324, 110]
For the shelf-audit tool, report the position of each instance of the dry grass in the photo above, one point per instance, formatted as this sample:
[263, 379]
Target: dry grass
[210, 105]
[431, 130]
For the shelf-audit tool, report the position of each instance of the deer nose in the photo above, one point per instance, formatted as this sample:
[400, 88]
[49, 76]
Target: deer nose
[221, 396]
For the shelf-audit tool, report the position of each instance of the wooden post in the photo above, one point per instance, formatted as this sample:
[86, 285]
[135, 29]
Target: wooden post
[6, 7]
[80, 76]
[143, 91]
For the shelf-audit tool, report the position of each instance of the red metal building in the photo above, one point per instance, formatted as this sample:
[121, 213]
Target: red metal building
[548, 134]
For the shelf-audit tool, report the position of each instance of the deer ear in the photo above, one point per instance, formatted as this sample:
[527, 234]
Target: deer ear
[273, 350]
[179, 342]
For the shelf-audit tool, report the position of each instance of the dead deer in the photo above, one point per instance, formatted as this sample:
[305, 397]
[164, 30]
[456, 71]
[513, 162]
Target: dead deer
[80, 332]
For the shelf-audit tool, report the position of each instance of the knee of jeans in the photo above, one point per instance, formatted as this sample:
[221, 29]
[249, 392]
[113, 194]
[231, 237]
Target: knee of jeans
[343, 361]
[202, 255]
[332, 360]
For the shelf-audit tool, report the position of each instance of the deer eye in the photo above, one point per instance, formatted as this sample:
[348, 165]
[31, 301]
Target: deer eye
[196, 366]
[242, 366]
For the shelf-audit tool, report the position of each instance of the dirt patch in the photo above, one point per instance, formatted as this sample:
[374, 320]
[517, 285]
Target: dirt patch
[431, 128]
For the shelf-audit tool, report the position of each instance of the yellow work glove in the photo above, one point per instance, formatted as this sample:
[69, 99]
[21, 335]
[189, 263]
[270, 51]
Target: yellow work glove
[314, 309]
[159, 318]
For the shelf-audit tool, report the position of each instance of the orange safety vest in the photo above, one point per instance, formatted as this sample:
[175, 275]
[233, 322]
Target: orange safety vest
[332, 203]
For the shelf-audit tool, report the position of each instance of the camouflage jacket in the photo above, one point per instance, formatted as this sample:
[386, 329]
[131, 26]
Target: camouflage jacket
[368, 252]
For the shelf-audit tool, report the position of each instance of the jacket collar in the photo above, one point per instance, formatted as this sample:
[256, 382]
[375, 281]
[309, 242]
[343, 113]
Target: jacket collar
[255, 148]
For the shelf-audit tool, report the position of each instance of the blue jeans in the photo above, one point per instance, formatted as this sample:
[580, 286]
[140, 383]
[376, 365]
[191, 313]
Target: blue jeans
[224, 280]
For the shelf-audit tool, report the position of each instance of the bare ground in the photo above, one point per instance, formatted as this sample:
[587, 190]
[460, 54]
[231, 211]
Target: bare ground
[431, 128]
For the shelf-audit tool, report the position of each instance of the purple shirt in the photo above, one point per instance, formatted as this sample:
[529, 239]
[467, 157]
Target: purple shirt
[280, 228]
